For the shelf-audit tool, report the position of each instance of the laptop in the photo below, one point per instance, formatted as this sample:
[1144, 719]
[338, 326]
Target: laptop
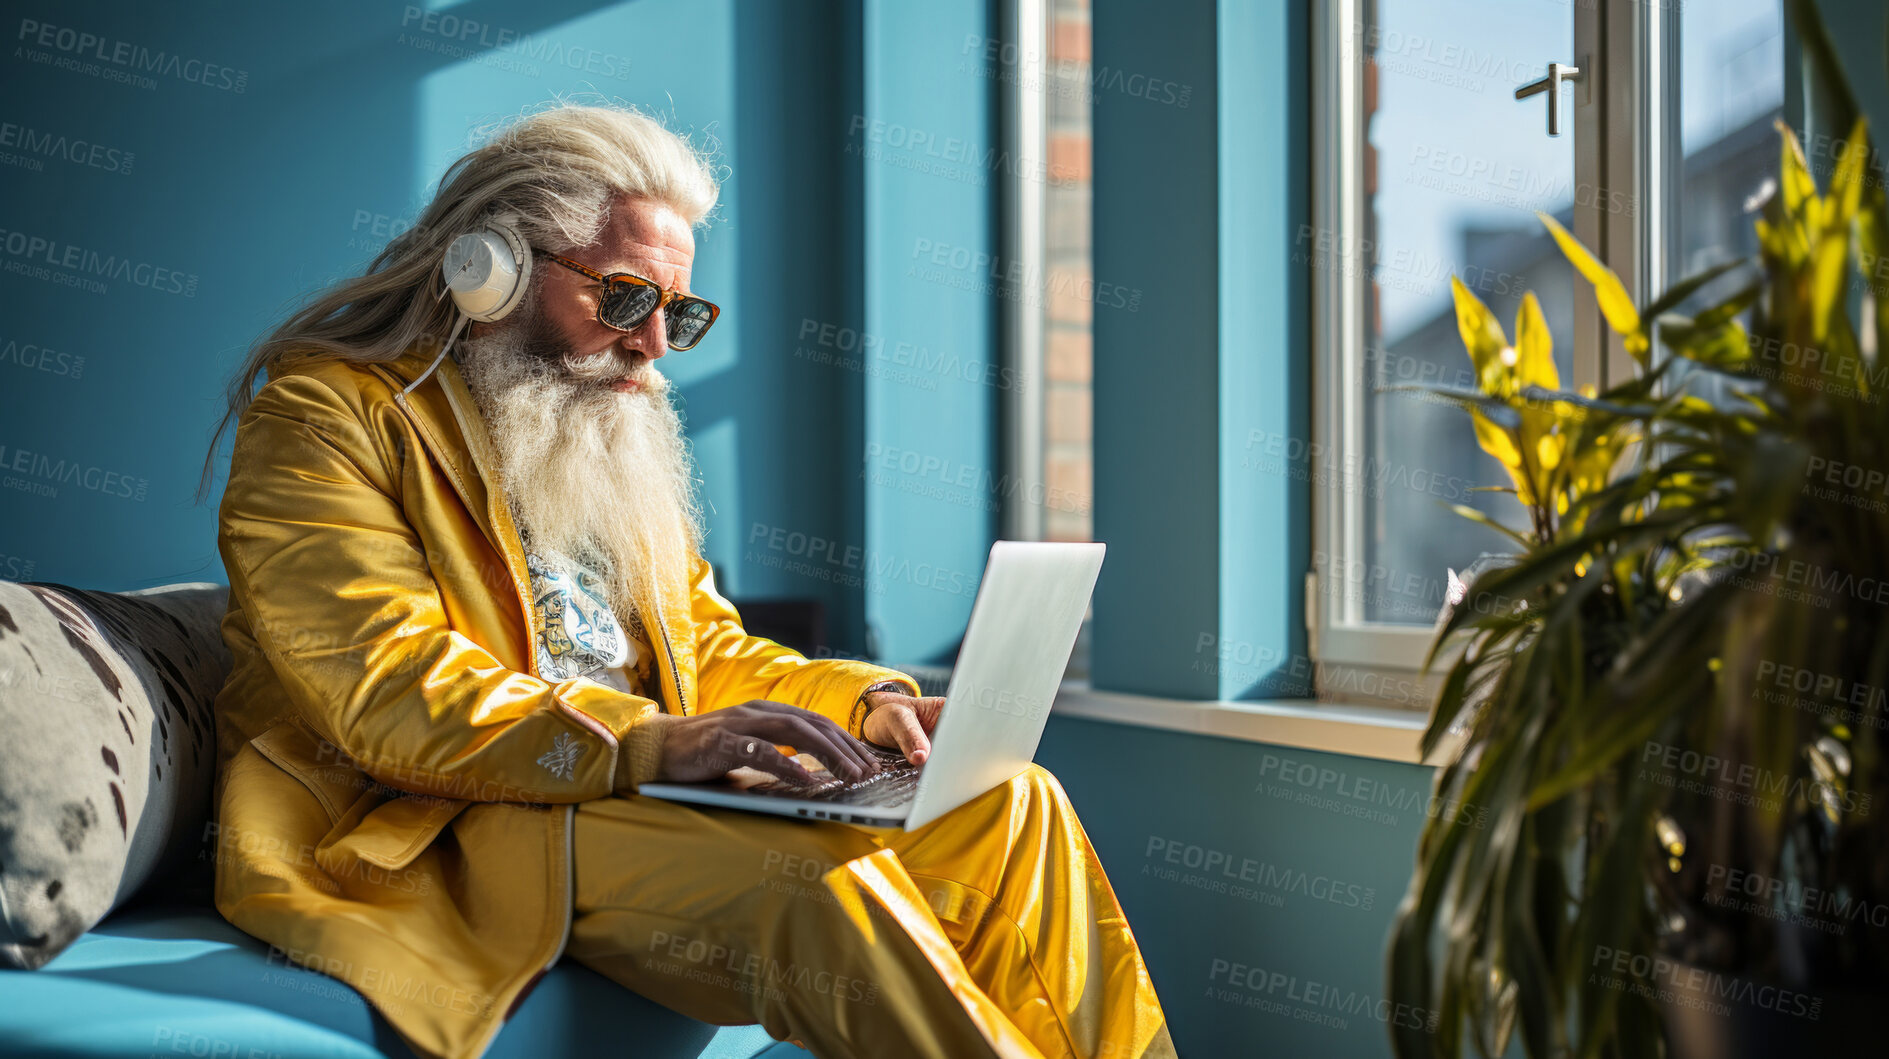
[1024, 622]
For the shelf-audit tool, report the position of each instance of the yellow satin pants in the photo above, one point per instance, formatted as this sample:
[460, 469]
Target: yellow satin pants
[990, 931]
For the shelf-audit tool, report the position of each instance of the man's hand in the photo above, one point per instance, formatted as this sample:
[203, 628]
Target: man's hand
[899, 720]
[706, 746]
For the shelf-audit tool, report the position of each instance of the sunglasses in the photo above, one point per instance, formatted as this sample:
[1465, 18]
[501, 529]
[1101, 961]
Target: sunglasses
[628, 300]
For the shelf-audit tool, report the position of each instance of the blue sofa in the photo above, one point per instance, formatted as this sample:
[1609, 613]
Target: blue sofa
[167, 978]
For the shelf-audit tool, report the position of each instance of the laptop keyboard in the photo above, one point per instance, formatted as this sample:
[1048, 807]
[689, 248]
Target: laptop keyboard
[891, 786]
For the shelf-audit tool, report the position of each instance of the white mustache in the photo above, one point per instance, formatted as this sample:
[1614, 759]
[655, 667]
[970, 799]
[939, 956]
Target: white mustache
[609, 368]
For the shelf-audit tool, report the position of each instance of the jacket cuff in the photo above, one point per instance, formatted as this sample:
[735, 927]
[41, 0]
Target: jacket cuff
[856, 720]
[639, 752]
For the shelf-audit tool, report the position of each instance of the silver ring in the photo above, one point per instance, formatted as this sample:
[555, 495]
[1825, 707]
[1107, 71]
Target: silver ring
[749, 749]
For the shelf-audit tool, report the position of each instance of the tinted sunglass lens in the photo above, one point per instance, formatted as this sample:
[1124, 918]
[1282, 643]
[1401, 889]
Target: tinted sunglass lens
[687, 320]
[626, 305]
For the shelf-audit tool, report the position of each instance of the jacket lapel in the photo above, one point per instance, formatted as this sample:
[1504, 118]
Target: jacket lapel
[444, 413]
[431, 410]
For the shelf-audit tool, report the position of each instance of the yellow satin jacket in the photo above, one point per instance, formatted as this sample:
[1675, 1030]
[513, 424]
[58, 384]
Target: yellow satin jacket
[396, 783]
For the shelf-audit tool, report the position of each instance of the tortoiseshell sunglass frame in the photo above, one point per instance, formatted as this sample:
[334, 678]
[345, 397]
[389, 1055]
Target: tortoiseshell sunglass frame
[665, 298]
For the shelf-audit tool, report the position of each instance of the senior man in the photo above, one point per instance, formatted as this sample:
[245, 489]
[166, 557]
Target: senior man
[469, 616]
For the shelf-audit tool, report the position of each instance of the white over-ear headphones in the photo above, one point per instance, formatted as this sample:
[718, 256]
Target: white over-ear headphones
[487, 272]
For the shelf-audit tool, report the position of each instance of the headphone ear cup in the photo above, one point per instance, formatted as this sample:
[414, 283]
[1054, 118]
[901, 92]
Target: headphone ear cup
[488, 271]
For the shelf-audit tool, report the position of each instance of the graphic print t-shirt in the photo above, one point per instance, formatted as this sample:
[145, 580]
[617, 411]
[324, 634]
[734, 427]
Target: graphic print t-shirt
[576, 632]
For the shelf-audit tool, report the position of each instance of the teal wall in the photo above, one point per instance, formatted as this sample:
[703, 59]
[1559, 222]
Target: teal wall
[931, 282]
[1199, 192]
[1229, 855]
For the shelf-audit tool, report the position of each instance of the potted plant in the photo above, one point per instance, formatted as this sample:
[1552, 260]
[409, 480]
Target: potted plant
[1617, 690]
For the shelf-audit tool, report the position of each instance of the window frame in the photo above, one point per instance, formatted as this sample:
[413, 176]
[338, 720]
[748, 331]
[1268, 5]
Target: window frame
[1621, 109]
[1023, 216]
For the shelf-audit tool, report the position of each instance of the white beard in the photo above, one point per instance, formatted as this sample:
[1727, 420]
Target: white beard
[589, 470]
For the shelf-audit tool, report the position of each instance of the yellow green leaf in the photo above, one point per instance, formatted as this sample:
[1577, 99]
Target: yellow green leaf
[1829, 278]
[1795, 183]
[1499, 443]
[1846, 184]
[1482, 336]
[1534, 347]
[1615, 304]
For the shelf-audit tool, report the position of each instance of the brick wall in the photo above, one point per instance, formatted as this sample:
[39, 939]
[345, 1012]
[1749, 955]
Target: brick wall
[1068, 457]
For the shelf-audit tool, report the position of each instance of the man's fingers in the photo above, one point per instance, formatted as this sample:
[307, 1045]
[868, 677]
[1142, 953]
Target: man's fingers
[911, 736]
[929, 710]
[758, 752]
[835, 740]
[837, 754]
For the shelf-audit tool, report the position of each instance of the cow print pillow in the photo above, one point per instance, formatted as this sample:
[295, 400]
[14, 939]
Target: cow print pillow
[107, 749]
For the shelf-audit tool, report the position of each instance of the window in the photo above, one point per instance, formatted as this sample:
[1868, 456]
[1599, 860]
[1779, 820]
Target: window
[1048, 218]
[1428, 166]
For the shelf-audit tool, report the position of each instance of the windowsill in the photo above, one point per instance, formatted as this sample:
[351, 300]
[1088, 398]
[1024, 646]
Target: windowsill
[1380, 732]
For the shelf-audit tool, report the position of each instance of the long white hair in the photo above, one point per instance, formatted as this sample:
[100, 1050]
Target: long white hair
[552, 173]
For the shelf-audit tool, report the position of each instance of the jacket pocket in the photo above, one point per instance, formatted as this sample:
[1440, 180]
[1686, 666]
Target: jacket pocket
[328, 775]
[368, 820]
